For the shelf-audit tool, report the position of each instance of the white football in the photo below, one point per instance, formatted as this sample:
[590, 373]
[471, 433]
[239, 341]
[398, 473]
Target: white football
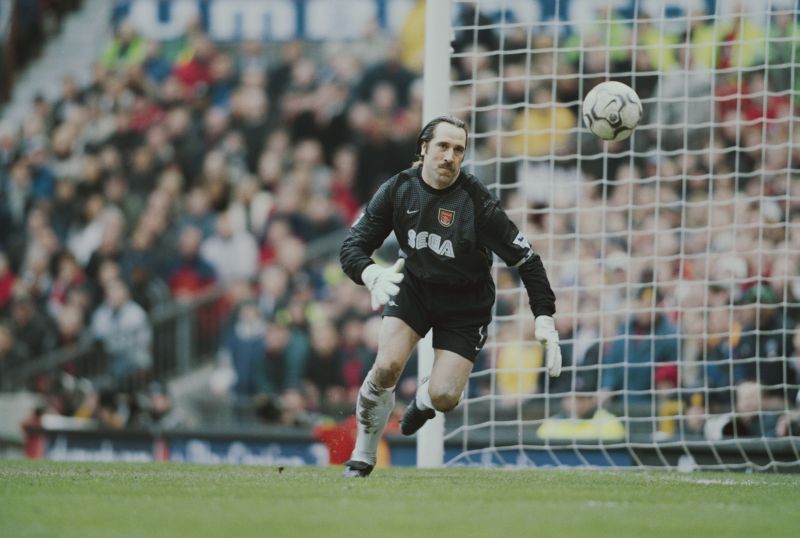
[612, 110]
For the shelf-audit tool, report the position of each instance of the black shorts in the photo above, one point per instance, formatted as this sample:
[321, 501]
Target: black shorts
[458, 315]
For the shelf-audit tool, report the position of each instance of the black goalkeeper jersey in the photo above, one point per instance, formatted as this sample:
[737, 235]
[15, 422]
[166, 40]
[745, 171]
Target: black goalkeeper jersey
[447, 236]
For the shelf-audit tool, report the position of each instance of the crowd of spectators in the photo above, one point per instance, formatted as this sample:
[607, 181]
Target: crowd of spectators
[187, 169]
[187, 166]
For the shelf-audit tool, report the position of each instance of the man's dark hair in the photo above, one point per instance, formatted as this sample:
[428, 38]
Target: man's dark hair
[426, 134]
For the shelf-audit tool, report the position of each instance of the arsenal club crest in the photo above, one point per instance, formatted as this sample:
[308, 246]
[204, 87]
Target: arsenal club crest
[446, 217]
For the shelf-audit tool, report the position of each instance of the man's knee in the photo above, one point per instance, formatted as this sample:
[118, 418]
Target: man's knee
[444, 399]
[386, 375]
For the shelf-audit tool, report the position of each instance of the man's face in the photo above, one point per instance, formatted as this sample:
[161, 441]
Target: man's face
[443, 153]
[116, 294]
[223, 227]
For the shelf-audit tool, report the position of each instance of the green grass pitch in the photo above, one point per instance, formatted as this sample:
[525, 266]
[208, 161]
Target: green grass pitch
[97, 499]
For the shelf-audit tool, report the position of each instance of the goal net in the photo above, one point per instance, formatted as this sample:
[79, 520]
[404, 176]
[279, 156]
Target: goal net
[673, 255]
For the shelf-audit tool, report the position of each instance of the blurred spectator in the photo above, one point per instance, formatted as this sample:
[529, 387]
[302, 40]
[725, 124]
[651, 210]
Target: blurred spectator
[742, 40]
[322, 219]
[581, 351]
[11, 356]
[190, 274]
[794, 358]
[581, 418]
[228, 244]
[6, 63]
[32, 329]
[273, 290]
[243, 347]
[324, 368]
[762, 350]
[287, 355]
[251, 56]
[645, 343]
[194, 69]
[70, 326]
[343, 178]
[278, 230]
[84, 239]
[197, 212]
[518, 365]
[719, 341]
[251, 118]
[545, 126]
[141, 267]
[250, 208]
[7, 281]
[110, 249]
[151, 407]
[392, 71]
[378, 154]
[125, 50]
[789, 423]
[280, 74]
[356, 356]
[103, 407]
[475, 26]
[684, 102]
[309, 174]
[655, 43]
[412, 38]
[65, 107]
[783, 48]
[19, 194]
[156, 66]
[294, 409]
[64, 209]
[749, 418]
[69, 275]
[122, 326]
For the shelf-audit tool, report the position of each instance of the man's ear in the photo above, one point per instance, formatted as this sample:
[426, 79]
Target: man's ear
[423, 149]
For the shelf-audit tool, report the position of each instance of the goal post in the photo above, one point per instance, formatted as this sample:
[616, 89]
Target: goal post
[436, 101]
[674, 255]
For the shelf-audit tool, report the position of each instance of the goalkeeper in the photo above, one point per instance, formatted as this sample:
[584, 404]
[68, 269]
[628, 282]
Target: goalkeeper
[448, 225]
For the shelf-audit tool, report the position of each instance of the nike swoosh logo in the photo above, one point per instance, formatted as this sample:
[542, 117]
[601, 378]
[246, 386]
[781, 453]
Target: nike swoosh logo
[411, 212]
[480, 339]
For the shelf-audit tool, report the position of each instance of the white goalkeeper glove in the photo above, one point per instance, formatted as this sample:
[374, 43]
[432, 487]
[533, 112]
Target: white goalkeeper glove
[382, 282]
[546, 333]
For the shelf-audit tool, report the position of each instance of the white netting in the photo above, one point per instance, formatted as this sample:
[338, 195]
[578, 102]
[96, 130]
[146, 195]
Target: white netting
[673, 255]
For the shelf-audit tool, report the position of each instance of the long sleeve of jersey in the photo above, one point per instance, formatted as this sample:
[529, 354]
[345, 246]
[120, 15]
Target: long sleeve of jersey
[367, 234]
[501, 235]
